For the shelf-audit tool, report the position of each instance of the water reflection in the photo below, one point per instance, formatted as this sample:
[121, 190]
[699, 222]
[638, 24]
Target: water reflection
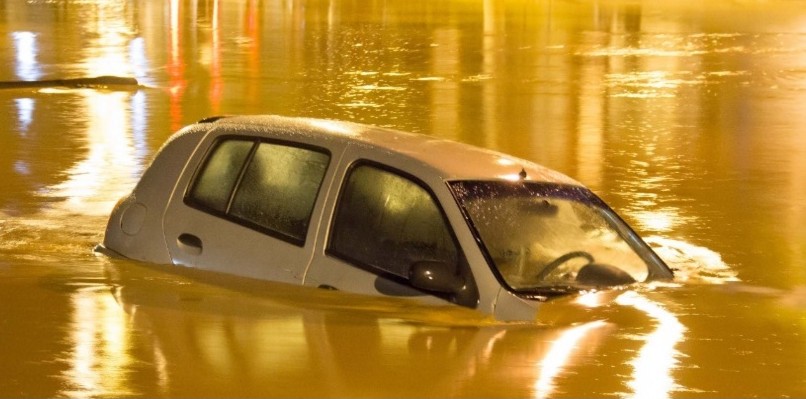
[110, 166]
[558, 355]
[116, 127]
[684, 116]
[654, 362]
[177, 81]
[657, 358]
[26, 65]
[101, 359]
[111, 33]
[25, 111]
[139, 61]
[255, 338]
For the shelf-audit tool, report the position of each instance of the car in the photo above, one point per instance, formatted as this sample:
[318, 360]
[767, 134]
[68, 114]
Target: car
[371, 210]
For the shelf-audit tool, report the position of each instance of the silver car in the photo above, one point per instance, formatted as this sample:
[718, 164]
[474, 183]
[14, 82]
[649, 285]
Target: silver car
[371, 210]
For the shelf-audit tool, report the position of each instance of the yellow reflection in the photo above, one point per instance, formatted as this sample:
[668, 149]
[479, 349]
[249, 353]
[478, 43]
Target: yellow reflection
[109, 60]
[591, 123]
[100, 358]
[446, 100]
[108, 170]
[25, 113]
[794, 218]
[94, 184]
[592, 299]
[176, 65]
[216, 81]
[557, 357]
[661, 221]
[652, 367]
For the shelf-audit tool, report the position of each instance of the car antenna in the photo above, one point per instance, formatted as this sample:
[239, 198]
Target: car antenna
[522, 174]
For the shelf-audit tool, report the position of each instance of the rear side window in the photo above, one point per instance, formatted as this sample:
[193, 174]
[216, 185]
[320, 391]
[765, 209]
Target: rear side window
[267, 186]
[213, 187]
[388, 222]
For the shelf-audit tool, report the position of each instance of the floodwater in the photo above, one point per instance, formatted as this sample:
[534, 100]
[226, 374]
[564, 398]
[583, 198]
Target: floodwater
[687, 117]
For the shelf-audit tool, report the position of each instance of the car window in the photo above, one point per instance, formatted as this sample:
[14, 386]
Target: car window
[541, 237]
[271, 187]
[388, 222]
[279, 188]
[213, 186]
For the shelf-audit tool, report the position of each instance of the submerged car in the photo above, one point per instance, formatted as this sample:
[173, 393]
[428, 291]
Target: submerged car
[371, 210]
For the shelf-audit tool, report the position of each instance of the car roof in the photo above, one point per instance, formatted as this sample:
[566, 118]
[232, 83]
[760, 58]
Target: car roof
[451, 159]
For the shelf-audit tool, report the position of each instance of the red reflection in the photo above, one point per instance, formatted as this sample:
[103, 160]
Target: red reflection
[176, 66]
[216, 82]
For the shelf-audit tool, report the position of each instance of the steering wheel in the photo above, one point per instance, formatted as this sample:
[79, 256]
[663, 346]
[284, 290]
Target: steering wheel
[553, 265]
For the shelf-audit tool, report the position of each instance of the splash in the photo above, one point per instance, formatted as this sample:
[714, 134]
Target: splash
[692, 263]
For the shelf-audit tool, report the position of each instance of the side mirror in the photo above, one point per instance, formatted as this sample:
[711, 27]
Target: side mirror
[431, 275]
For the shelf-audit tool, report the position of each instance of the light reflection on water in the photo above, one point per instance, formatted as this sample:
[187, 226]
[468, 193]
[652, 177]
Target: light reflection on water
[101, 352]
[25, 110]
[111, 164]
[250, 335]
[555, 359]
[684, 117]
[25, 63]
[656, 360]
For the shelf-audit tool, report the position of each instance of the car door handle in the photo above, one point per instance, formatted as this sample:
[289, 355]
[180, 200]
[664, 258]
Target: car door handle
[189, 243]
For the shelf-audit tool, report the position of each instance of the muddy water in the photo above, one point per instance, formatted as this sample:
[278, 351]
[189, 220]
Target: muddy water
[687, 117]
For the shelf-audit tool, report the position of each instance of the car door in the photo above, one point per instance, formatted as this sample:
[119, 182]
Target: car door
[249, 206]
[384, 222]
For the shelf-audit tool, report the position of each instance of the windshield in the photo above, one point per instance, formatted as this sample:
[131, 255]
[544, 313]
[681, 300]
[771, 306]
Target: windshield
[539, 237]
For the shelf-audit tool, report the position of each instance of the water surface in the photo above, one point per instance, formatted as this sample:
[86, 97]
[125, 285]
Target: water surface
[687, 118]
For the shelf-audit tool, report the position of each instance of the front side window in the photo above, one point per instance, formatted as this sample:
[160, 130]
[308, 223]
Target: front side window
[388, 222]
[391, 225]
[271, 187]
[541, 237]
